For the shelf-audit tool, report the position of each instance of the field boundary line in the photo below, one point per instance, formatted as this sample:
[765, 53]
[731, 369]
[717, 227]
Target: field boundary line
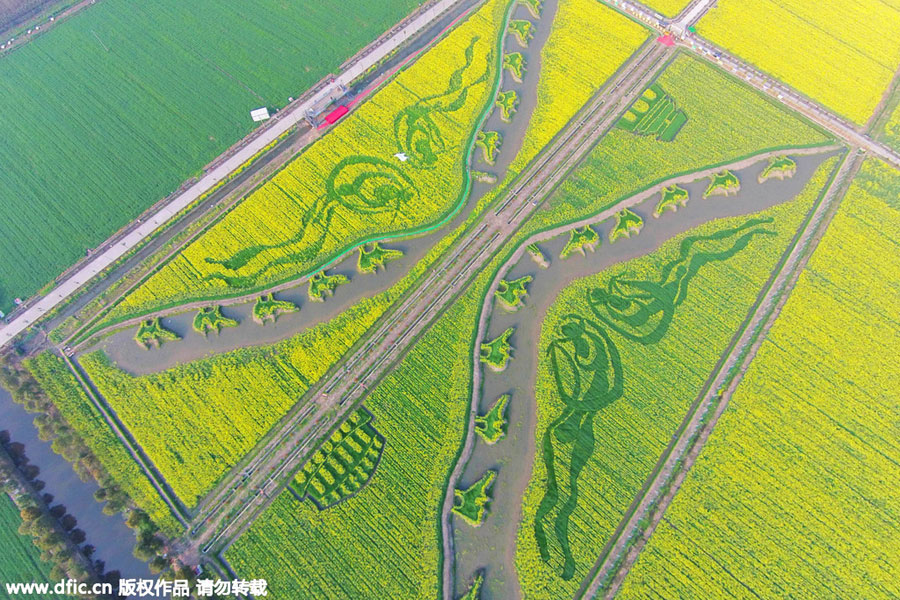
[134, 449]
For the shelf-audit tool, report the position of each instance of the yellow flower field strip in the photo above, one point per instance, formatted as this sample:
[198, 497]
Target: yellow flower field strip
[277, 232]
[842, 53]
[805, 456]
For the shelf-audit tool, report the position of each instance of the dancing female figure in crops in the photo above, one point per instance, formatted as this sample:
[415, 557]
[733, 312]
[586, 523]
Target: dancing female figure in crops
[588, 371]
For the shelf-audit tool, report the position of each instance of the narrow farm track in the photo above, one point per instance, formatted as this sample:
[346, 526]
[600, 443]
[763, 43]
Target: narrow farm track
[346, 386]
[40, 28]
[488, 305]
[618, 555]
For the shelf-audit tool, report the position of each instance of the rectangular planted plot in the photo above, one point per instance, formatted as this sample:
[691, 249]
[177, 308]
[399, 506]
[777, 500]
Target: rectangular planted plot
[841, 53]
[104, 127]
[86, 421]
[801, 471]
[21, 560]
[654, 113]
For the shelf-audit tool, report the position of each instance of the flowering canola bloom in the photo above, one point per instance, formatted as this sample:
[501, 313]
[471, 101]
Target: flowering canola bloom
[841, 53]
[588, 42]
[390, 525]
[802, 471]
[349, 187]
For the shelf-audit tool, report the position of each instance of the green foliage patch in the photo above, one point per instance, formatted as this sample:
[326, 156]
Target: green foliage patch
[21, 559]
[321, 285]
[537, 256]
[210, 318]
[508, 101]
[671, 198]
[579, 239]
[267, 308]
[654, 113]
[627, 223]
[724, 183]
[534, 6]
[497, 352]
[472, 503]
[510, 293]
[523, 29]
[489, 142]
[514, 62]
[151, 333]
[374, 256]
[779, 167]
[492, 425]
[343, 465]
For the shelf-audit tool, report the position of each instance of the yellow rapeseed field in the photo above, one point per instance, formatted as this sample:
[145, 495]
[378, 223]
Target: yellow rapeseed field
[669, 8]
[841, 53]
[351, 184]
[588, 42]
[795, 493]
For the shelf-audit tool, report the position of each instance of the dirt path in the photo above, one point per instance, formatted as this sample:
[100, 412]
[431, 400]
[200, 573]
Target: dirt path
[618, 555]
[882, 112]
[43, 14]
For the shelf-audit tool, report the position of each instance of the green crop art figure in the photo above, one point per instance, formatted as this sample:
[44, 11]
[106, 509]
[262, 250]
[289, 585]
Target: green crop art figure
[365, 185]
[588, 371]
[588, 374]
[641, 310]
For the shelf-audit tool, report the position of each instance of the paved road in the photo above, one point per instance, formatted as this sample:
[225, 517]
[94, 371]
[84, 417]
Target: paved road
[249, 491]
[285, 121]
